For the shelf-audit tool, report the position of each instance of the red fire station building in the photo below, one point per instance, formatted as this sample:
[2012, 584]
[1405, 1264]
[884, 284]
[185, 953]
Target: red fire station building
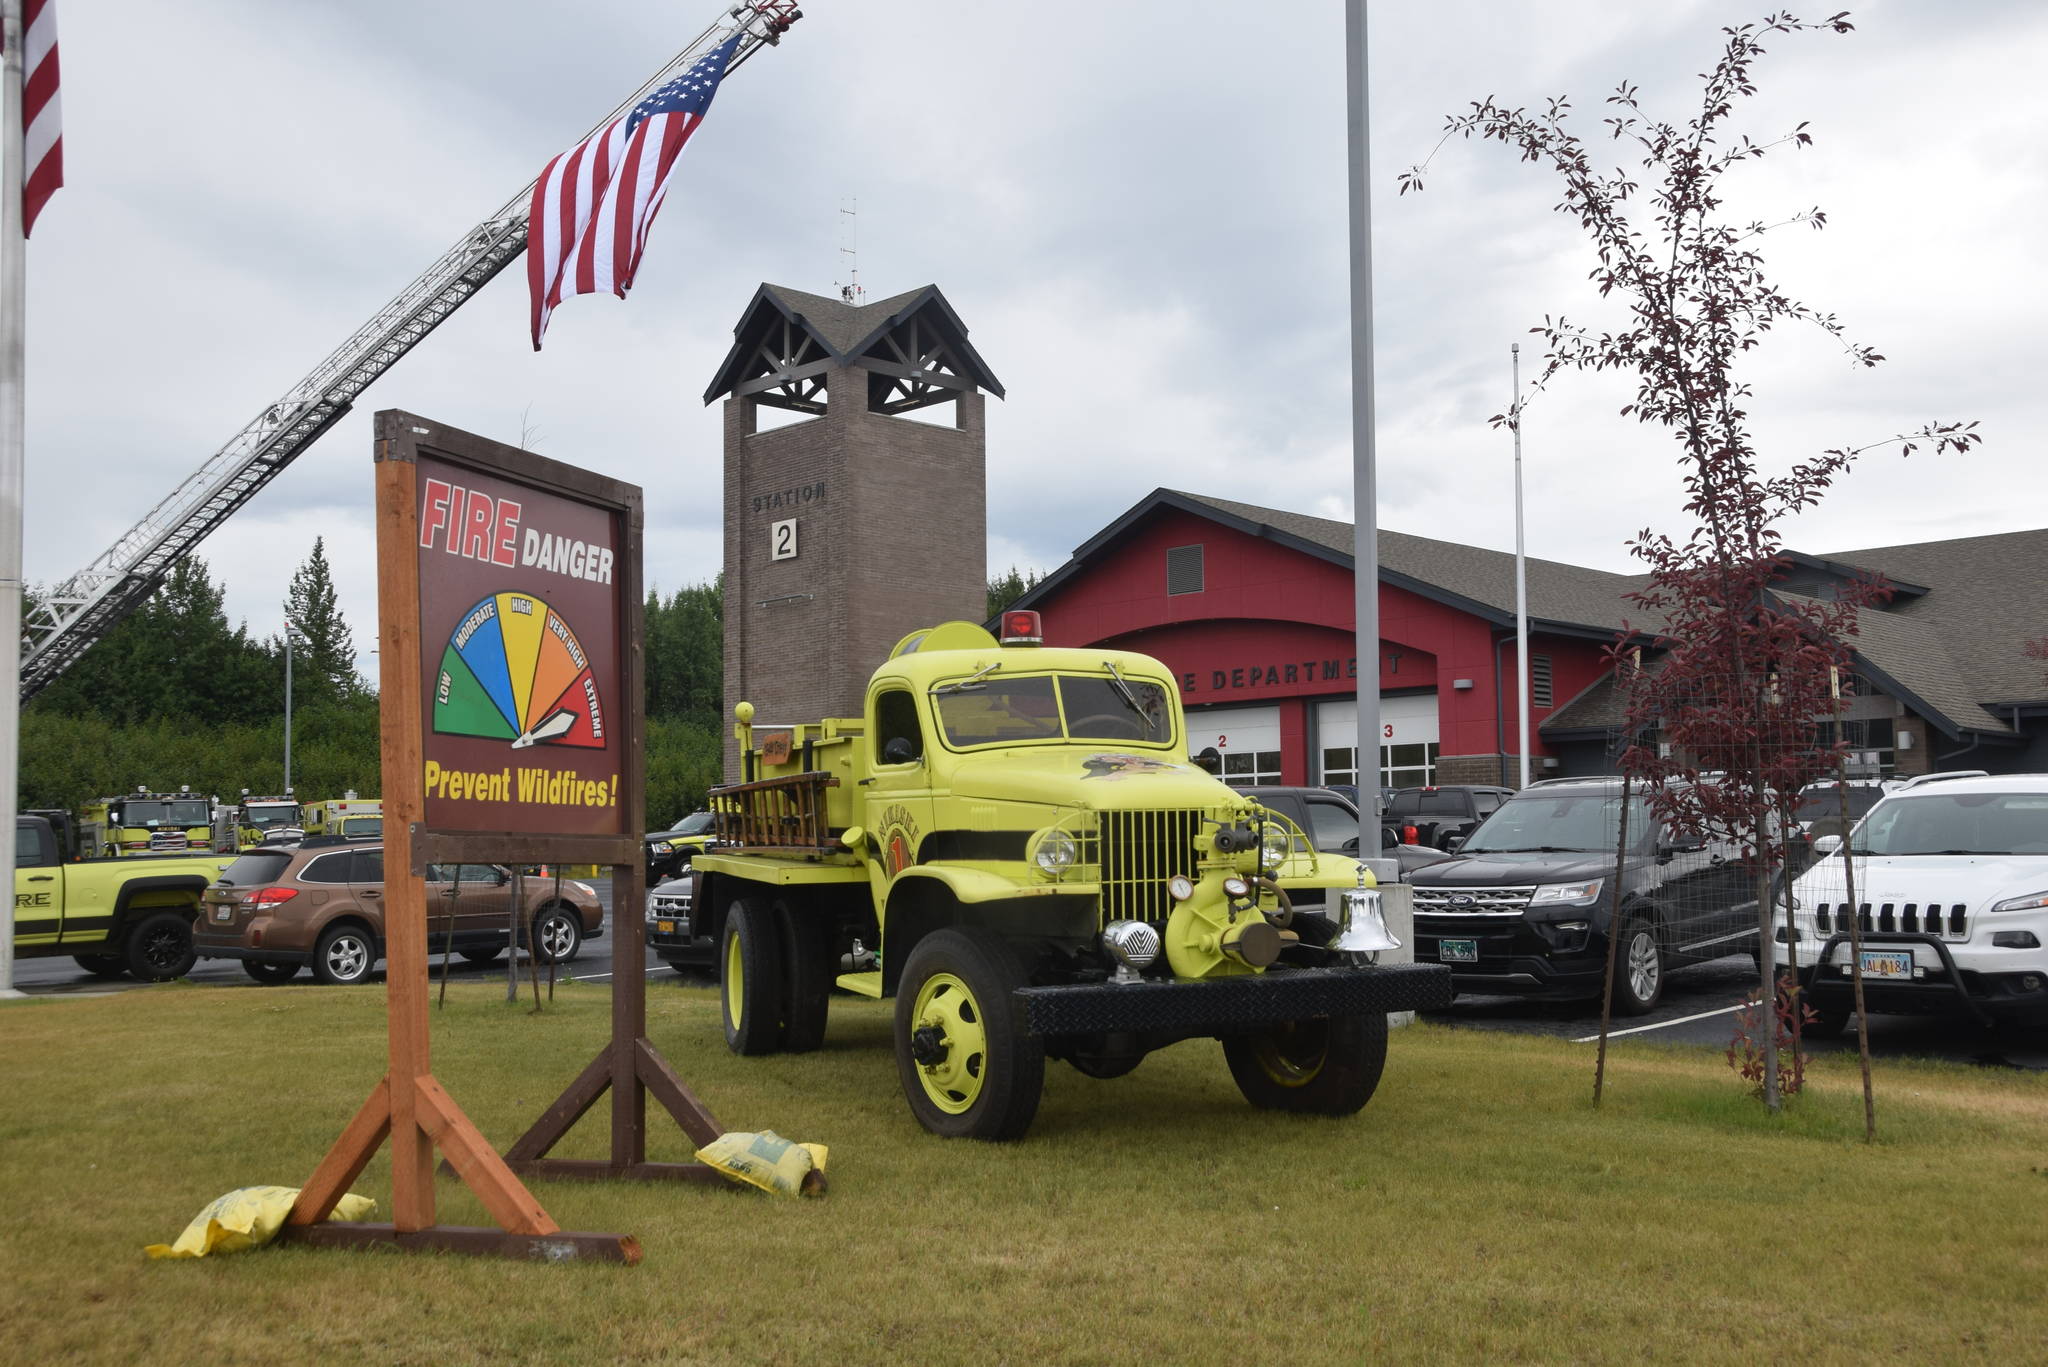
[1252, 609]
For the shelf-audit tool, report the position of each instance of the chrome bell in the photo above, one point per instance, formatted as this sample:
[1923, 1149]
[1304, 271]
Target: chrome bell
[1364, 929]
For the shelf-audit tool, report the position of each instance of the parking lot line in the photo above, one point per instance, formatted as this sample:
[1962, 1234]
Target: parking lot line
[593, 977]
[1639, 1029]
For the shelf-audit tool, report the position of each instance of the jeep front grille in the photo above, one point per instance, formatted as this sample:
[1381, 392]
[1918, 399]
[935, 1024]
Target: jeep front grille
[1138, 852]
[1472, 901]
[1890, 918]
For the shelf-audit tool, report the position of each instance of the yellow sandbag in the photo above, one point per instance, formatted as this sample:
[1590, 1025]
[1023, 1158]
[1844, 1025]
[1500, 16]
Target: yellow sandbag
[248, 1217]
[765, 1160]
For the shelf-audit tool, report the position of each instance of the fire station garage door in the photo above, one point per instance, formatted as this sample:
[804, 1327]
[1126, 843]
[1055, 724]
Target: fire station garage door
[1408, 739]
[1249, 738]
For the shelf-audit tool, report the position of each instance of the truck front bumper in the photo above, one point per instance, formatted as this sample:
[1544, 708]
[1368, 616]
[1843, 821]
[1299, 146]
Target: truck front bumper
[1230, 1005]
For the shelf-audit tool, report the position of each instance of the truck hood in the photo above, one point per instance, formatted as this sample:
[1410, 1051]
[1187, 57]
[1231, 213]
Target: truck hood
[1089, 777]
[1976, 880]
[1509, 870]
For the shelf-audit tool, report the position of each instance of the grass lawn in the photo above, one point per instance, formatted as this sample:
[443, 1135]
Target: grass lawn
[1478, 1210]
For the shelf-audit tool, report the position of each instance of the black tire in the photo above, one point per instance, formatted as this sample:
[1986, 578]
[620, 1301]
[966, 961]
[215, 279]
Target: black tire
[807, 940]
[1826, 1024]
[482, 956]
[968, 1067]
[344, 956]
[557, 934]
[1639, 968]
[1326, 1066]
[102, 965]
[750, 978]
[159, 948]
[270, 975]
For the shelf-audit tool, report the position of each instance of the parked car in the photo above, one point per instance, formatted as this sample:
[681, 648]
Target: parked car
[1950, 912]
[668, 926]
[669, 852]
[1820, 809]
[1330, 820]
[1526, 906]
[322, 906]
[1437, 816]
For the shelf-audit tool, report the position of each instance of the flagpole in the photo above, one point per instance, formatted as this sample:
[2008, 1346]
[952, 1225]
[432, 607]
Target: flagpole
[1365, 557]
[13, 308]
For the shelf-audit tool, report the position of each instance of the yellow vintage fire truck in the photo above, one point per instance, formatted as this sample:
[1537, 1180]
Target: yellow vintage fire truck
[1012, 842]
[143, 822]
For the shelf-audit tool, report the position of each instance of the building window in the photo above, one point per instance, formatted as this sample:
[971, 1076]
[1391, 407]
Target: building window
[1871, 746]
[1539, 681]
[1401, 766]
[1250, 768]
[1183, 570]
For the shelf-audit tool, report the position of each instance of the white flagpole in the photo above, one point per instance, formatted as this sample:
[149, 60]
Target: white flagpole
[13, 307]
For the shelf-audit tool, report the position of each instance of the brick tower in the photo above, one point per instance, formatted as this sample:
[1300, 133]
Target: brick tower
[848, 529]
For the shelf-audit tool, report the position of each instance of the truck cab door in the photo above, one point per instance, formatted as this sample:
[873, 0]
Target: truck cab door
[38, 887]
[898, 802]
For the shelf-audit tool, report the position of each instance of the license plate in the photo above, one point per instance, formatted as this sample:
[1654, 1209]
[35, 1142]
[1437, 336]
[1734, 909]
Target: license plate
[1887, 963]
[665, 927]
[1458, 951]
[223, 913]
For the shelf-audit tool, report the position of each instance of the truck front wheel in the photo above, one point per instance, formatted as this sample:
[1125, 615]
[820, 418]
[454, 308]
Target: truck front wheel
[969, 1068]
[1323, 1067]
[750, 978]
[159, 948]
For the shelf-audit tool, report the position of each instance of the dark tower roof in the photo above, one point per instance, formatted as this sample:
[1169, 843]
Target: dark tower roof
[913, 346]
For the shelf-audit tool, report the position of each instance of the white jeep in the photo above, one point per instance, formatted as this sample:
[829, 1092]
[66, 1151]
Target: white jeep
[1950, 906]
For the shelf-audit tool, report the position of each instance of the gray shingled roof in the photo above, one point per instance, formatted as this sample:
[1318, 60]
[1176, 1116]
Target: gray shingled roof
[845, 330]
[840, 325]
[1987, 596]
[1913, 657]
[1569, 595]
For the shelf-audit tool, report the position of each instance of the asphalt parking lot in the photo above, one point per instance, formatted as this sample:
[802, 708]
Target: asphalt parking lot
[1698, 1008]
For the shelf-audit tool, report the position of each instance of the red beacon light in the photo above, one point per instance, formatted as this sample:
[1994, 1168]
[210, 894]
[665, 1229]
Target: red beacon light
[1021, 628]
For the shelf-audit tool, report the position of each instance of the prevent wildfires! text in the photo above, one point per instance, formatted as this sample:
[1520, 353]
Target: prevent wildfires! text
[544, 787]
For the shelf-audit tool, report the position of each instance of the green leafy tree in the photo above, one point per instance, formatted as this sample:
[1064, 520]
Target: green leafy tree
[1006, 589]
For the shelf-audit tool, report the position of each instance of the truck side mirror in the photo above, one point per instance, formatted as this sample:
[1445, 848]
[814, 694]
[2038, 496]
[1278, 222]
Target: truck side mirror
[1827, 844]
[899, 750]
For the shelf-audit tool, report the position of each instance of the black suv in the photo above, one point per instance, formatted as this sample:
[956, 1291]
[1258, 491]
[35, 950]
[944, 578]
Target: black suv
[1330, 820]
[1526, 905]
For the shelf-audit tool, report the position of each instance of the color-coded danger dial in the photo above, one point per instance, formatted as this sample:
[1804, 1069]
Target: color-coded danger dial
[514, 671]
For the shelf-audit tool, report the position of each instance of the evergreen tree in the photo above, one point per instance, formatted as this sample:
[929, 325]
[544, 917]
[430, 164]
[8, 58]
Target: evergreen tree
[324, 656]
[1006, 589]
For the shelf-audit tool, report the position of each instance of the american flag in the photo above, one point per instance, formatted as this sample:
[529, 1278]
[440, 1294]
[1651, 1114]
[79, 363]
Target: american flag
[42, 138]
[587, 224]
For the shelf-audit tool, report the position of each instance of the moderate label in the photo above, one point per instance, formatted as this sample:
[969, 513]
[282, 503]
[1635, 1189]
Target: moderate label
[519, 649]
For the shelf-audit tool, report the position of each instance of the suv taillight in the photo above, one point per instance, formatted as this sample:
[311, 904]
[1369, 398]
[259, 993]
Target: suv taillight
[267, 898]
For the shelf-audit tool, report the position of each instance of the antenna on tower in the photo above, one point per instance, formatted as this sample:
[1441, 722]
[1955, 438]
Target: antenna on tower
[849, 215]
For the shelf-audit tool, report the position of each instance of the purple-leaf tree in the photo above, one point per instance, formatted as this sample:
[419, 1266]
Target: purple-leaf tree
[1725, 705]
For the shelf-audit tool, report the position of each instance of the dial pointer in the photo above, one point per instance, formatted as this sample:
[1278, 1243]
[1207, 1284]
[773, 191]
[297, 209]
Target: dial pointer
[556, 725]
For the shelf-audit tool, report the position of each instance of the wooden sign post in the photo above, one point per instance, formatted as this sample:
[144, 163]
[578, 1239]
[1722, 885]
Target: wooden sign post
[508, 598]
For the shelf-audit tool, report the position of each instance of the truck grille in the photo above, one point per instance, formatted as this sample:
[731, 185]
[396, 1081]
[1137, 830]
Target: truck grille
[1138, 852]
[1472, 901]
[1889, 918]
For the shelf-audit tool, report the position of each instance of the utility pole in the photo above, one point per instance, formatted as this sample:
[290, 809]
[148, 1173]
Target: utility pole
[287, 704]
[1521, 580]
[13, 420]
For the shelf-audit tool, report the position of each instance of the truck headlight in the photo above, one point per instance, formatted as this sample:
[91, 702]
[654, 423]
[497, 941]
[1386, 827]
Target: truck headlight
[1132, 943]
[1274, 847]
[1567, 894]
[1055, 853]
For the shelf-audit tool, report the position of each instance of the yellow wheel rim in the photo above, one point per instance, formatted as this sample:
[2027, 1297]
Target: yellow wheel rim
[947, 1005]
[1293, 1054]
[734, 981]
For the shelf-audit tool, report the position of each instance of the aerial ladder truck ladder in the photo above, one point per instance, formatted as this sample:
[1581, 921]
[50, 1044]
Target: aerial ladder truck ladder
[66, 621]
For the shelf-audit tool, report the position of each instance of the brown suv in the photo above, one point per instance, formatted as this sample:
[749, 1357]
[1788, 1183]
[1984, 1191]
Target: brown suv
[279, 910]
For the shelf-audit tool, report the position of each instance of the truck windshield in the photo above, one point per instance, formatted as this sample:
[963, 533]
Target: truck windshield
[1957, 823]
[1587, 823]
[362, 827]
[277, 814]
[696, 823]
[180, 812]
[1001, 710]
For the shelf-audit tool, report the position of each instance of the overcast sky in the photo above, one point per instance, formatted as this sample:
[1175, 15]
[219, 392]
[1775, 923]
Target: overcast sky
[1138, 210]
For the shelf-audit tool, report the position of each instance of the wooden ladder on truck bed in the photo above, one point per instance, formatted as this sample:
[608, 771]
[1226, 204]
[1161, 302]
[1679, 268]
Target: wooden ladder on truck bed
[781, 815]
